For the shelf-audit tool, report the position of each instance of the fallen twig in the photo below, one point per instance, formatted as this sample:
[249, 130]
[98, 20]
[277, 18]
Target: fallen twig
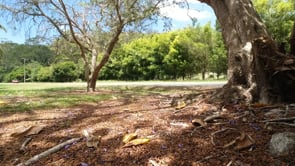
[48, 152]
[205, 159]
[26, 141]
[212, 117]
[219, 131]
[282, 123]
[280, 120]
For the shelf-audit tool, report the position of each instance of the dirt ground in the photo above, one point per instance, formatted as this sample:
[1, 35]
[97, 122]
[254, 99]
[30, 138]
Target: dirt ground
[174, 139]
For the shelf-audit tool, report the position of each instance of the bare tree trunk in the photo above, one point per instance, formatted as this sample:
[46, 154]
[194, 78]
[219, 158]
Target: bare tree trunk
[105, 57]
[252, 54]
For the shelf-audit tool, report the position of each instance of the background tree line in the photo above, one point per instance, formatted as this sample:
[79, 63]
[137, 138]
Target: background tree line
[171, 55]
[161, 56]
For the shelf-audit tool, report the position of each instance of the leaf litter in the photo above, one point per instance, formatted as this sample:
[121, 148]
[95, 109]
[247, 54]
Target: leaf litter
[201, 133]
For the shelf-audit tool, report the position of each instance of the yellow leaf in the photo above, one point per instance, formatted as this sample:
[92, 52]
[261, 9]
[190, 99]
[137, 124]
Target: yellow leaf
[180, 105]
[128, 137]
[2, 102]
[135, 142]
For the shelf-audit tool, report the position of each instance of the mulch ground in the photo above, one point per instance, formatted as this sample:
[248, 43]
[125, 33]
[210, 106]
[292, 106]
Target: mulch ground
[174, 140]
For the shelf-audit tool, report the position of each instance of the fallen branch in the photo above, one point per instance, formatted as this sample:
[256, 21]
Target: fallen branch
[282, 123]
[280, 120]
[205, 159]
[48, 152]
[213, 117]
[26, 141]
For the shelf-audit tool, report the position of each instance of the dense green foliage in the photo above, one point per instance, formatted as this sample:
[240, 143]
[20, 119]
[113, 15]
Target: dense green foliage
[172, 55]
[180, 54]
[278, 17]
[65, 72]
[20, 59]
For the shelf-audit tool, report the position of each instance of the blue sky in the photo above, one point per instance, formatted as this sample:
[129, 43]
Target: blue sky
[180, 19]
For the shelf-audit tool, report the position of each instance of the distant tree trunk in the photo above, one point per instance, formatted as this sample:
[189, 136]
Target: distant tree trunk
[254, 64]
[203, 75]
[292, 41]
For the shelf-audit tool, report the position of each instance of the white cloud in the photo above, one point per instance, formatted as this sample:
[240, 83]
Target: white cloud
[182, 14]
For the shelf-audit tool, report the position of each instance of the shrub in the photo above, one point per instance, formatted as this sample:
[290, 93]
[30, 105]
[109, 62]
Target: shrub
[45, 74]
[65, 72]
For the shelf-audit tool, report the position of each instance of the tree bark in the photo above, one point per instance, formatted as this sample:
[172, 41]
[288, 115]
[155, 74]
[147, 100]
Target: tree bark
[253, 58]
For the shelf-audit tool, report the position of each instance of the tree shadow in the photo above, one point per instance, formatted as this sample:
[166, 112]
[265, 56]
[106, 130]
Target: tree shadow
[170, 144]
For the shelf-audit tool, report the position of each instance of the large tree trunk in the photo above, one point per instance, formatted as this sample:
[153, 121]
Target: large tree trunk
[253, 59]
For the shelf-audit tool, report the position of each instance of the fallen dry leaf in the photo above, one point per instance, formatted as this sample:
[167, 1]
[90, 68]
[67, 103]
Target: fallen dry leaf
[2, 102]
[180, 105]
[138, 141]
[244, 141]
[128, 137]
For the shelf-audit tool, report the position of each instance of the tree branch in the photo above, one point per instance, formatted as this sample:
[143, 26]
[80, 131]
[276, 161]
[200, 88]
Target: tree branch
[48, 152]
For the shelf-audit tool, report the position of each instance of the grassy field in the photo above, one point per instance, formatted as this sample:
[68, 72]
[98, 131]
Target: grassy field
[19, 97]
[30, 96]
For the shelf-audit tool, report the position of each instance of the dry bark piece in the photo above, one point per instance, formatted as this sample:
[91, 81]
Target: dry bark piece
[35, 130]
[48, 152]
[91, 140]
[27, 131]
[21, 131]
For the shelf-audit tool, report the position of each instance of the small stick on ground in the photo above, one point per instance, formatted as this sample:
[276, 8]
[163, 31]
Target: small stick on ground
[219, 131]
[280, 120]
[48, 152]
[282, 123]
[26, 141]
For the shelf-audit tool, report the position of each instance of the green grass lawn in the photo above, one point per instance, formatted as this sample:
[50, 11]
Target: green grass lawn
[31, 96]
[19, 97]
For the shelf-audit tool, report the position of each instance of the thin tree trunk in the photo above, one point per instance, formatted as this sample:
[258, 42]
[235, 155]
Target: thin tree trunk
[203, 75]
[105, 58]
